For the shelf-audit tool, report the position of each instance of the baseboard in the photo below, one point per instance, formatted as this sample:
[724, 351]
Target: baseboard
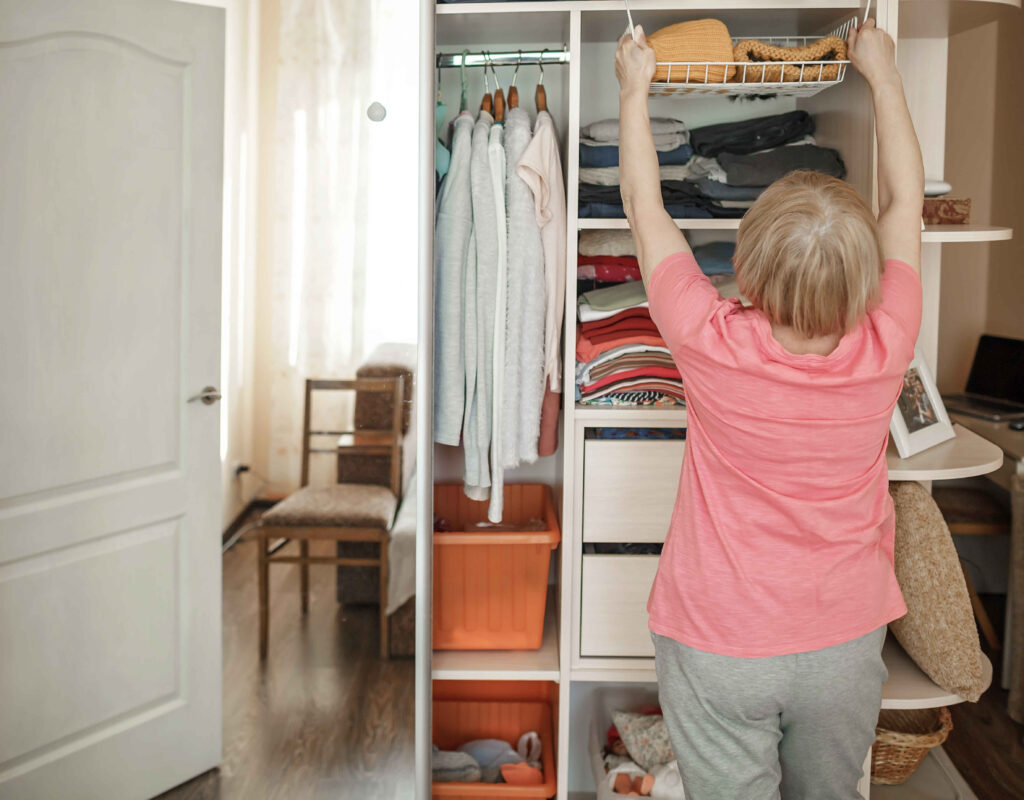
[239, 520]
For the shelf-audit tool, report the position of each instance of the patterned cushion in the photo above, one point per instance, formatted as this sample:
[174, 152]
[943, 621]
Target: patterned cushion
[645, 737]
[350, 505]
[938, 631]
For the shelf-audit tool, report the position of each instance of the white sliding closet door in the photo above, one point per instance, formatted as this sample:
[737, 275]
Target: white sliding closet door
[111, 152]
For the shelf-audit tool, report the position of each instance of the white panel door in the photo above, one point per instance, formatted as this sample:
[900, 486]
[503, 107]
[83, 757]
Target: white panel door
[111, 151]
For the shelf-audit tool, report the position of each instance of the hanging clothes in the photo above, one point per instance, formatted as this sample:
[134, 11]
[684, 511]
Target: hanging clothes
[524, 347]
[497, 161]
[479, 311]
[442, 156]
[541, 168]
[453, 228]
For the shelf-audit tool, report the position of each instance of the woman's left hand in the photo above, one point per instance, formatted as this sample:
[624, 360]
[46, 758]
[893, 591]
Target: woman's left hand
[634, 63]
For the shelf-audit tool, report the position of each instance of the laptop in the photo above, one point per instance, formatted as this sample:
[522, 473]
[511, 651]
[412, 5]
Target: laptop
[995, 387]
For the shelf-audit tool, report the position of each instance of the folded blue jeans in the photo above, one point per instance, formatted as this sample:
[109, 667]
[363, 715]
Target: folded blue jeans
[608, 155]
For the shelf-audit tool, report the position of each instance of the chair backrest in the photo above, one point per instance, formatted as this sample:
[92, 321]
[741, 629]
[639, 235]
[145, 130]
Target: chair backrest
[387, 442]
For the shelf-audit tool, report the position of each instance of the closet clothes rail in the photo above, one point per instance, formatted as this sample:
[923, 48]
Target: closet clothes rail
[500, 245]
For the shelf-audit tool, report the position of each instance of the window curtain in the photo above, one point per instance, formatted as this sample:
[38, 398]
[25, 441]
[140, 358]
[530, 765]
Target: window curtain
[340, 282]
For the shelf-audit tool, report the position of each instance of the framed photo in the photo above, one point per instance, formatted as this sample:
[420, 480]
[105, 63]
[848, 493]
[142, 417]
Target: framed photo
[919, 420]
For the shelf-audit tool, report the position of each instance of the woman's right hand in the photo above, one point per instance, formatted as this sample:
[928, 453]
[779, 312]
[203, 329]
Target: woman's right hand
[634, 63]
[873, 52]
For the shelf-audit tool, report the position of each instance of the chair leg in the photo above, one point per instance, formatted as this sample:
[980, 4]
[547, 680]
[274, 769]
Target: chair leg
[385, 648]
[304, 574]
[987, 628]
[263, 570]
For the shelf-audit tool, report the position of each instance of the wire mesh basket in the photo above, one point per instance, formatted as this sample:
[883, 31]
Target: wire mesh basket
[794, 78]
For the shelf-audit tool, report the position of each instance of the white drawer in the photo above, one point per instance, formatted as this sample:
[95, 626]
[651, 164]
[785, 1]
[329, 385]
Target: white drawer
[629, 488]
[613, 619]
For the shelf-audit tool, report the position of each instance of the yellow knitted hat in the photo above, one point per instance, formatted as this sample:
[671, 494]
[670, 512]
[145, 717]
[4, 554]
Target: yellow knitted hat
[700, 40]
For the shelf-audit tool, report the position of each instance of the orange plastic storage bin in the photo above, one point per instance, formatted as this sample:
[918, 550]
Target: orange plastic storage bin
[490, 587]
[459, 721]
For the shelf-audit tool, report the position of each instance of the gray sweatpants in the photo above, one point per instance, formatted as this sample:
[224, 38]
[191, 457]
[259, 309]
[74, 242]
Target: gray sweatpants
[795, 726]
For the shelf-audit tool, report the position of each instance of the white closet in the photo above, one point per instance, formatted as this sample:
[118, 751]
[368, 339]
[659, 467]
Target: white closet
[596, 639]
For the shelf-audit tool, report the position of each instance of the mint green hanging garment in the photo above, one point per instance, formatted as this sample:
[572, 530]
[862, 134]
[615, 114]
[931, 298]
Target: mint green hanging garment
[442, 156]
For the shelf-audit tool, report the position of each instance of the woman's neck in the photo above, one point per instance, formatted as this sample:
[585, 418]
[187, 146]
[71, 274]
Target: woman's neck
[798, 344]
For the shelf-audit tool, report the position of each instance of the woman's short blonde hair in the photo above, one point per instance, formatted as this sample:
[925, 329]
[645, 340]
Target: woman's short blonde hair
[808, 254]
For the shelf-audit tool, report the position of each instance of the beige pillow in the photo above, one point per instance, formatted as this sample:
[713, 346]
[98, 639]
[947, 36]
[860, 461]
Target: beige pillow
[938, 631]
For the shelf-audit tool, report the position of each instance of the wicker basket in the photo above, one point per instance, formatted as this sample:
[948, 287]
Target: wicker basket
[831, 48]
[903, 739]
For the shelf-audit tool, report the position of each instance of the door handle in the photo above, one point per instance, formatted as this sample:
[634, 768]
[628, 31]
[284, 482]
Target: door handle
[209, 396]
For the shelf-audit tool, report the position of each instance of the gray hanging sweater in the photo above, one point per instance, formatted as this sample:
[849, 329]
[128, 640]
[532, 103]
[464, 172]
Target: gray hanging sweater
[452, 230]
[479, 309]
[524, 345]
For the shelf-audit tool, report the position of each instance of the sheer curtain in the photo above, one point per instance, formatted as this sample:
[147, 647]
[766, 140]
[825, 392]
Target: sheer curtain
[343, 279]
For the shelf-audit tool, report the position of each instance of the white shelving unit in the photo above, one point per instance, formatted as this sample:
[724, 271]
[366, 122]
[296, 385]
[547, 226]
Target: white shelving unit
[584, 91]
[932, 234]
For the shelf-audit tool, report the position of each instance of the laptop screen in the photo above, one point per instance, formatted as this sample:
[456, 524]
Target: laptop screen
[998, 369]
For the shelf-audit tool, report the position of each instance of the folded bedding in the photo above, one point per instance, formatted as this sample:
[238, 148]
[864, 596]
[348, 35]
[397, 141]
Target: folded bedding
[765, 167]
[749, 136]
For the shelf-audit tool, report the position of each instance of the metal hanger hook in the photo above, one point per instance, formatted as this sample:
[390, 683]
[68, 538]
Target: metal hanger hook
[519, 63]
[487, 60]
[540, 63]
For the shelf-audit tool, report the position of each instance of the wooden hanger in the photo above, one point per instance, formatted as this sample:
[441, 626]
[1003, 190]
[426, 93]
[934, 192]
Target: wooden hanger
[485, 103]
[541, 96]
[499, 96]
[513, 92]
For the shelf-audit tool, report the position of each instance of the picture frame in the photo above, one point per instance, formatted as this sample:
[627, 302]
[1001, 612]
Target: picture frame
[919, 420]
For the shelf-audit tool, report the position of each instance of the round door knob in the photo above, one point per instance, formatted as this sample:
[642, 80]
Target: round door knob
[376, 112]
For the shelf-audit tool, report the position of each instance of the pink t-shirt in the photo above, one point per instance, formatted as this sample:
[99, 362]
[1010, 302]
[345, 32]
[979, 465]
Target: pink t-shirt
[782, 536]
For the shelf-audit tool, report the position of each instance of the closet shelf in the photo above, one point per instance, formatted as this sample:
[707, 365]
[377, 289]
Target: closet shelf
[964, 456]
[965, 233]
[908, 687]
[673, 416]
[591, 223]
[930, 234]
[504, 665]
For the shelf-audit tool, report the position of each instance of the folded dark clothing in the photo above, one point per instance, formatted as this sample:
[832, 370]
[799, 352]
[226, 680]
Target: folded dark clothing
[717, 190]
[682, 192]
[584, 285]
[672, 192]
[635, 433]
[761, 169]
[721, 212]
[751, 135]
[608, 155]
[676, 211]
[624, 548]
[715, 258]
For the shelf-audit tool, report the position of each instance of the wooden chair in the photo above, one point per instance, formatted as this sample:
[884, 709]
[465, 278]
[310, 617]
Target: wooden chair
[974, 512]
[341, 512]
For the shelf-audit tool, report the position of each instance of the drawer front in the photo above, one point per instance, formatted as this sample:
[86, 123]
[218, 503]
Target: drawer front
[629, 488]
[613, 619]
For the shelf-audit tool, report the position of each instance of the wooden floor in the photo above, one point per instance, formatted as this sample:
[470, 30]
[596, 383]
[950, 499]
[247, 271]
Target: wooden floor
[986, 746]
[324, 717]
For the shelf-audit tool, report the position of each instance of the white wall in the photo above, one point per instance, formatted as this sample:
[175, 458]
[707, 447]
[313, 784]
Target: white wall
[239, 253]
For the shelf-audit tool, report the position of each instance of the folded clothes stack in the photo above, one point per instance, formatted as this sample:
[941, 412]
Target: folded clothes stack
[620, 356]
[727, 166]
